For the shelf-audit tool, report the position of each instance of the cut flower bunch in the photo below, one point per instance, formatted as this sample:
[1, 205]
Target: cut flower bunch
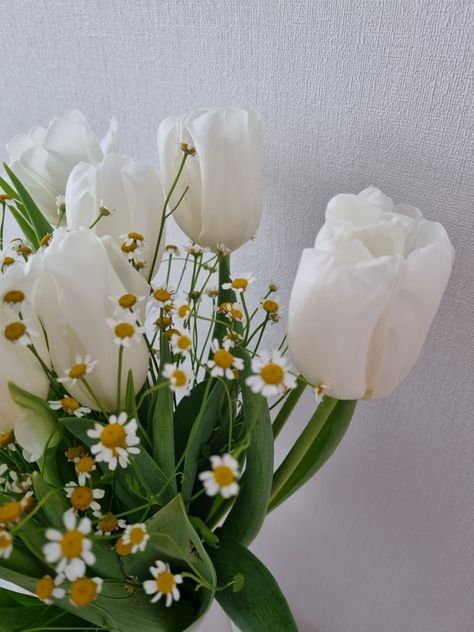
[139, 404]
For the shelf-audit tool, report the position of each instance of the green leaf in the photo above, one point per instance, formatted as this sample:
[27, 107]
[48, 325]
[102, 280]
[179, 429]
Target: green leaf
[9, 190]
[25, 226]
[162, 423]
[185, 415]
[54, 502]
[130, 399]
[203, 426]
[249, 510]
[40, 225]
[317, 452]
[259, 605]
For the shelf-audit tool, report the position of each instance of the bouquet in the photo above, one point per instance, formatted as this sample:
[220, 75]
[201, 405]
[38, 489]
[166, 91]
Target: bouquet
[139, 404]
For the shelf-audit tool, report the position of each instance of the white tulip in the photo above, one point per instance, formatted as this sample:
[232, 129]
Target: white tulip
[223, 204]
[365, 296]
[43, 158]
[19, 364]
[76, 298]
[132, 195]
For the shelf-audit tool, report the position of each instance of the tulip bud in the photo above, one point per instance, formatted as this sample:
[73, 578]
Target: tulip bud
[365, 296]
[222, 207]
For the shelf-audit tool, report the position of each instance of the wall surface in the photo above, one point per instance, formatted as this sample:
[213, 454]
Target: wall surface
[354, 92]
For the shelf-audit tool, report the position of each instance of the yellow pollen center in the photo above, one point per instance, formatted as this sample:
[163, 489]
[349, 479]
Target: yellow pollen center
[183, 310]
[240, 284]
[270, 306]
[24, 250]
[8, 261]
[44, 587]
[223, 475]
[44, 241]
[272, 373]
[124, 330]
[127, 301]
[14, 296]
[131, 247]
[70, 404]
[14, 331]
[108, 523]
[113, 436]
[81, 498]
[179, 378]
[5, 540]
[123, 549]
[165, 582]
[85, 465]
[10, 512]
[163, 322]
[223, 359]
[162, 295]
[236, 313]
[136, 236]
[137, 535]
[6, 438]
[184, 342]
[77, 371]
[83, 591]
[71, 544]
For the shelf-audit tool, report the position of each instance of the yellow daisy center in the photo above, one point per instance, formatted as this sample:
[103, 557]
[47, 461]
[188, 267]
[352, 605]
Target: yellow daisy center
[70, 404]
[44, 587]
[183, 310]
[14, 296]
[162, 295]
[271, 307]
[8, 261]
[5, 540]
[81, 498]
[131, 247]
[179, 378]
[10, 512]
[137, 535]
[6, 438]
[136, 236]
[184, 342]
[163, 322]
[71, 544]
[127, 301]
[123, 549]
[223, 359]
[240, 284]
[113, 436]
[223, 475]
[77, 371]
[108, 523]
[83, 591]
[14, 331]
[24, 250]
[236, 313]
[44, 241]
[85, 464]
[165, 582]
[124, 330]
[272, 373]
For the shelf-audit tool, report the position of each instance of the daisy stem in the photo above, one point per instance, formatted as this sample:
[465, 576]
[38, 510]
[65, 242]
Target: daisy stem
[2, 225]
[247, 317]
[33, 512]
[119, 378]
[288, 407]
[150, 391]
[93, 395]
[168, 272]
[182, 272]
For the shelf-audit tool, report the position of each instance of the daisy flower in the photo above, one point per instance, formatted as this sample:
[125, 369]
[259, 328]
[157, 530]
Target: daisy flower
[195, 250]
[164, 583]
[19, 331]
[181, 342]
[74, 453]
[232, 311]
[20, 484]
[117, 441]
[70, 406]
[180, 378]
[320, 392]
[222, 479]
[172, 249]
[8, 258]
[223, 250]
[10, 512]
[223, 363]
[239, 283]
[46, 588]
[163, 295]
[82, 497]
[127, 302]
[84, 465]
[14, 299]
[182, 309]
[109, 523]
[6, 544]
[132, 245]
[70, 550]
[82, 367]
[272, 308]
[270, 375]
[7, 439]
[84, 590]
[125, 330]
[136, 535]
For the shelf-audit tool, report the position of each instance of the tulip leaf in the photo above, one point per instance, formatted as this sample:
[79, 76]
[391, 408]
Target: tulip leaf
[204, 424]
[185, 415]
[53, 500]
[318, 451]
[40, 225]
[130, 399]
[249, 510]
[163, 424]
[25, 226]
[259, 606]
[9, 190]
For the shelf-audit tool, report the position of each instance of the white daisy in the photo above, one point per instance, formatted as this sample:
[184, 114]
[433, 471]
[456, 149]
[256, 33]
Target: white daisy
[19, 331]
[9, 258]
[84, 590]
[182, 309]
[163, 295]
[165, 583]
[222, 479]
[179, 377]
[70, 406]
[6, 544]
[239, 283]
[126, 302]
[224, 363]
[84, 465]
[117, 441]
[108, 523]
[320, 392]
[270, 375]
[132, 245]
[14, 299]
[71, 550]
[125, 330]
[195, 250]
[46, 588]
[136, 535]
[83, 498]
[232, 311]
[20, 484]
[181, 342]
[82, 367]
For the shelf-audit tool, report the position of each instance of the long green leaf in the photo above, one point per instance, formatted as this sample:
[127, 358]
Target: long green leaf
[25, 226]
[260, 606]
[9, 190]
[38, 221]
[249, 510]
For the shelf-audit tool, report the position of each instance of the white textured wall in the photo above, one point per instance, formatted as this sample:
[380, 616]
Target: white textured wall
[354, 93]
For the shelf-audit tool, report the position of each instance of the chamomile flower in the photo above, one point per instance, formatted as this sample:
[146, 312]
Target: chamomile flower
[84, 590]
[272, 308]
[223, 250]
[163, 584]
[74, 453]
[132, 245]
[19, 331]
[14, 299]
[172, 249]
[239, 283]
[224, 363]
[320, 392]
[47, 588]
[11, 511]
[7, 439]
[182, 309]
[21, 247]
[181, 342]
[179, 378]
[9, 258]
[163, 295]
[20, 483]
[108, 523]
[126, 302]
[125, 330]
[82, 497]
[6, 544]
[121, 548]
[222, 479]
[84, 465]
[270, 375]
[232, 311]
[70, 550]
[136, 535]
[82, 366]
[70, 406]
[117, 441]
[195, 250]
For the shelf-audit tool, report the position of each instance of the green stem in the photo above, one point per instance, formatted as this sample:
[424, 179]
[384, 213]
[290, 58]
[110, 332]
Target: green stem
[2, 225]
[288, 407]
[119, 378]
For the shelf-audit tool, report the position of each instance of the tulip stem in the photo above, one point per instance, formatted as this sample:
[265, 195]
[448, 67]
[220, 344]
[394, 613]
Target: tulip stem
[164, 215]
[288, 407]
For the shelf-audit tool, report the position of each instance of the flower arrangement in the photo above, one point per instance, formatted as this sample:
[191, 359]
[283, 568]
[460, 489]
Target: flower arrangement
[139, 407]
